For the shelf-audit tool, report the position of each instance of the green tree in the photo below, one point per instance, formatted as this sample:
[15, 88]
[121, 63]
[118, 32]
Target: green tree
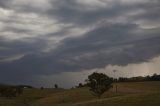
[99, 83]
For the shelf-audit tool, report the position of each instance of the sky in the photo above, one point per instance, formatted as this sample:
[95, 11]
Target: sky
[43, 42]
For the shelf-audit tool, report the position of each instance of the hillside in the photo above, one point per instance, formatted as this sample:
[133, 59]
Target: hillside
[129, 94]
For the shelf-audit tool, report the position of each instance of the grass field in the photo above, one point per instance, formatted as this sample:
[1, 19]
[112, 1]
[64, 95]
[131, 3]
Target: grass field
[129, 94]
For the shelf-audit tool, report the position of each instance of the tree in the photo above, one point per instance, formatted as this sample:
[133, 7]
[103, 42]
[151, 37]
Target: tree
[80, 85]
[99, 83]
[56, 86]
[42, 88]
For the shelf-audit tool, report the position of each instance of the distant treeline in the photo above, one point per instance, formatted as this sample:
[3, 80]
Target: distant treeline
[154, 77]
[12, 91]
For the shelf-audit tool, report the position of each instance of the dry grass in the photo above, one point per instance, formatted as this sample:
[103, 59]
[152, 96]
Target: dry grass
[129, 94]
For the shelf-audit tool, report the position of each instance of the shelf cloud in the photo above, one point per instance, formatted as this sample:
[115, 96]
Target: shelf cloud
[52, 37]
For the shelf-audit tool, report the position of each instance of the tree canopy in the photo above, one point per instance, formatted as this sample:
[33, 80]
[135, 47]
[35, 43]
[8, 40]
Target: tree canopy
[99, 83]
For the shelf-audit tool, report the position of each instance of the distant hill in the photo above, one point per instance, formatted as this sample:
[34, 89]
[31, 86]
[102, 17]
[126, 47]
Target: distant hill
[4, 85]
[25, 86]
[22, 86]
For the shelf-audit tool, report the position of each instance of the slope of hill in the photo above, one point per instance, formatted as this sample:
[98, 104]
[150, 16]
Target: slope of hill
[129, 94]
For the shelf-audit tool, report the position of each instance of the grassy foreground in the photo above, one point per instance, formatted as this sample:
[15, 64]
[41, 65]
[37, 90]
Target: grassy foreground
[129, 94]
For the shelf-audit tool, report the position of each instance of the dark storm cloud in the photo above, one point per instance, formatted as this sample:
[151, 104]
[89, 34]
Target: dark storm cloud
[69, 11]
[16, 30]
[119, 38]
[111, 44]
[150, 11]
[72, 12]
[12, 48]
[4, 3]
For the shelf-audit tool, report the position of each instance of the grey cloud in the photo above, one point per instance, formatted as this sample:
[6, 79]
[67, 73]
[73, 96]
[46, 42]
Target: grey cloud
[69, 12]
[4, 3]
[27, 46]
[112, 44]
[16, 30]
[19, 6]
[115, 43]
[151, 10]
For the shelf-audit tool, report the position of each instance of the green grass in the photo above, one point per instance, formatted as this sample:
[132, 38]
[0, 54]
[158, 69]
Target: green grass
[129, 94]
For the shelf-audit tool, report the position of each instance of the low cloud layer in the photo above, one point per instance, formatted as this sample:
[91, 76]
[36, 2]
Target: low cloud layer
[50, 37]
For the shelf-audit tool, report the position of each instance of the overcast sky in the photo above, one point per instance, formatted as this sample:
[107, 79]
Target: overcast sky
[43, 42]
